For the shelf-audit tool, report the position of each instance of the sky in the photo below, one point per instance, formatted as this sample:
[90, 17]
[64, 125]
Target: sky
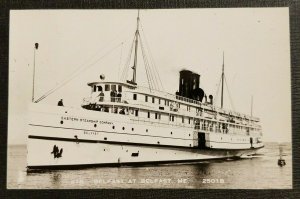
[80, 45]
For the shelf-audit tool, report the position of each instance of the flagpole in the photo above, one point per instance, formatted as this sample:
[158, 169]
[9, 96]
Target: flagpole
[34, 50]
[222, 82]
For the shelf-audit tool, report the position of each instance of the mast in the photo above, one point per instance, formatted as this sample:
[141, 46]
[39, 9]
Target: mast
[222, 82]
[251, 104]
[36, 45]
[136, 47]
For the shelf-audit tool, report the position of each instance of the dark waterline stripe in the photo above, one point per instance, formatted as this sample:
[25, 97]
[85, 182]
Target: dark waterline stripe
[81, 166]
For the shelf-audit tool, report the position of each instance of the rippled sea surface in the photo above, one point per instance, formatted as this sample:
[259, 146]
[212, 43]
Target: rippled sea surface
[259, 172]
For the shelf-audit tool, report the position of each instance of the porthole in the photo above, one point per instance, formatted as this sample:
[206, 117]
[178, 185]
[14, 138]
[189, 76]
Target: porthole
[123, 128]
[105, 138]
[132, 129]
[189, 134]
[146, 130]
[158, 142]
[95, 125]
[113, 127]
[61, 122]
[171, 133]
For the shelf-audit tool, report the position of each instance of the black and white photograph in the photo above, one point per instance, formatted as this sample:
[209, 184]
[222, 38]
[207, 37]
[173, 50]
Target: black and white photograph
[190, 98]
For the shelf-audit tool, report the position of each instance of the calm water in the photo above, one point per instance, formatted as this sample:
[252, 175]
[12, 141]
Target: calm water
[260, 172]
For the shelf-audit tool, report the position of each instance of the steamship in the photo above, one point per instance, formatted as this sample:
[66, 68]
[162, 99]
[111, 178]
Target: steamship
[123, 123]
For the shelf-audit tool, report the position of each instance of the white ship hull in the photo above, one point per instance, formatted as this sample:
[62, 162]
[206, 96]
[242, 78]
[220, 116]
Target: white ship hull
[96, 140]
[116, 154]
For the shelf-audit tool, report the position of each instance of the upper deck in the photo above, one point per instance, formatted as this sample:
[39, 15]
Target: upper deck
[120, 92]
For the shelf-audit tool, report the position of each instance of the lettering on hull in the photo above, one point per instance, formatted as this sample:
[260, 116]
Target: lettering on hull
[76, 119]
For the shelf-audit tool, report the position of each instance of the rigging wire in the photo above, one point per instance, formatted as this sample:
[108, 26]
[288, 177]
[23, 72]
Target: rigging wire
[218, 89]
[74, 75]
[90, 58]
[152, 75]
[231, 102]
[226, 84]
[150, 82]
[120, 61]
[127, 63]
[151, 57]
[148, 67]
[103, 49]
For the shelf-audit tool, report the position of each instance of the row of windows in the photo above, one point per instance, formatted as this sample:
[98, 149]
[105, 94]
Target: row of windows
[167, 103]
[157, 115]
[205, 125]
[108, 87]
[153, 99]
[171, 118]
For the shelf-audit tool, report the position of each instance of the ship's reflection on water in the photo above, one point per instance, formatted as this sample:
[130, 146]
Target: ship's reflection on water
[55, 179]
[259, 172]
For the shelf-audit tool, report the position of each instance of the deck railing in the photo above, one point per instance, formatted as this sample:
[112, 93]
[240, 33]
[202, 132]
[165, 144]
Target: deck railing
[96, 99]
[168, 95]
[181, 98]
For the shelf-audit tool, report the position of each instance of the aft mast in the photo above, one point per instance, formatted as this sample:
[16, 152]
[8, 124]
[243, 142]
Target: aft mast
[251, 105]
[222, 82]
[136, 48]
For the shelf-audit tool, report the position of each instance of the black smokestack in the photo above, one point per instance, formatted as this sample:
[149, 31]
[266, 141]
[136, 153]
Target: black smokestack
[189, 85]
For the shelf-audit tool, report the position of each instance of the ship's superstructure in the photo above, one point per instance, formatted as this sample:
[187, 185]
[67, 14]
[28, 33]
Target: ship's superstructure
[124, 123]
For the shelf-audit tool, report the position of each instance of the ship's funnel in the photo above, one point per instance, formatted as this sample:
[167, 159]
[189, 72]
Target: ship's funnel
[189, 85]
